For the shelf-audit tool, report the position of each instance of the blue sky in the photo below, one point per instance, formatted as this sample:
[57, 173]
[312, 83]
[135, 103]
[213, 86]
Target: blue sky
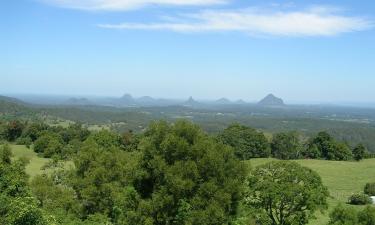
[303, 51]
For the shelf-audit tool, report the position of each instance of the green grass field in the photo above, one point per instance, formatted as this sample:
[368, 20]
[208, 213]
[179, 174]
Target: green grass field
[36, 163]
[341, 178]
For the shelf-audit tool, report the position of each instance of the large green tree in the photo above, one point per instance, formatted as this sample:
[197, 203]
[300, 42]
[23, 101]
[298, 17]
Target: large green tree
[360, 152]
[190, 177]
[328, 147]
[286, 193]
[286, 145]
[247, 142]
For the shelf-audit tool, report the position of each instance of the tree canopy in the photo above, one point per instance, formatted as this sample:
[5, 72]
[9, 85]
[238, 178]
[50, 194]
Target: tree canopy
[286, 193]
[247, 142]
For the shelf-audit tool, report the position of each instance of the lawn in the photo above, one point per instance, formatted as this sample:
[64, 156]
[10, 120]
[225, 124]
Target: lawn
[341, 178]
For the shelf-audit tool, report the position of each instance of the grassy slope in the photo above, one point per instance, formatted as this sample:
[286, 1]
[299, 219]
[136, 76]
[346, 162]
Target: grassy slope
[341, 178]
[36, 163]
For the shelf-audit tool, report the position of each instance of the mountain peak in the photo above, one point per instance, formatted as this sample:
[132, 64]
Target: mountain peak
[223, 101]
[271, 100]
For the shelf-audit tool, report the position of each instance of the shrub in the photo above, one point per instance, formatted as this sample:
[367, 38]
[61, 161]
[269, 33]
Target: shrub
[367, 216]
[370, 189]
[343, 216]
[359, 199]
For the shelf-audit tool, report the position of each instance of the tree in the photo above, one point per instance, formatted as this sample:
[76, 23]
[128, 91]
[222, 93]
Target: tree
[323, 142]
[311, 152]
[286, 145]
[49, 144]
[339, 151]
[247, 142]
[359, 152]
[190, 177]
[103, 192]
[286, 192]
[13, 130]
[329, 148]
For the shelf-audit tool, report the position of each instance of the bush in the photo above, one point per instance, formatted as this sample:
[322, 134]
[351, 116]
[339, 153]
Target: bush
[370, 189]
[360, 199]
[343, 216]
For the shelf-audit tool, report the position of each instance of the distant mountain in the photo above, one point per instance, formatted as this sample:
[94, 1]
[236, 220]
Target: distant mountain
[271, 100]
[127, 99]
[190, 102]
[223, 101]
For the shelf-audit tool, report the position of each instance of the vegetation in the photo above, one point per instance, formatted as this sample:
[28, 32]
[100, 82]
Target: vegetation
[171, 173]
[286, 192]
[348, 216]
[360, 152]
[17, 206]
[369, 189]
[286, 146]
[359, 199]
[247, 142]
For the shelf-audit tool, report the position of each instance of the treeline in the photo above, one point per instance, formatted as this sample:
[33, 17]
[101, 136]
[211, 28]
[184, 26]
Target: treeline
[249, 143]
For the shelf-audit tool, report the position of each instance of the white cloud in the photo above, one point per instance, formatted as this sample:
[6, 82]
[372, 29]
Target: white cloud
[316, 21]
[117, 5]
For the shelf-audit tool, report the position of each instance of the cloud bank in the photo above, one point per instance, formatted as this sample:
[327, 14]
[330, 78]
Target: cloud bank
[123, 5]
[316, 21]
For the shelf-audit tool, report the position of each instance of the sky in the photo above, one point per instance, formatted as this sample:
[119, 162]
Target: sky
[302, 51]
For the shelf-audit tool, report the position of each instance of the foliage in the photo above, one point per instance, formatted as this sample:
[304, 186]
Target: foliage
[328, 148]
[247, 142]
[286, 145]
[286, 192]
[13, 130]
[367, 216]
[17, 206]
[343, 216]
[348, 216]
[360, 152]
[359, 199]
[190, 178]
[49, 144]
[370, 189]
